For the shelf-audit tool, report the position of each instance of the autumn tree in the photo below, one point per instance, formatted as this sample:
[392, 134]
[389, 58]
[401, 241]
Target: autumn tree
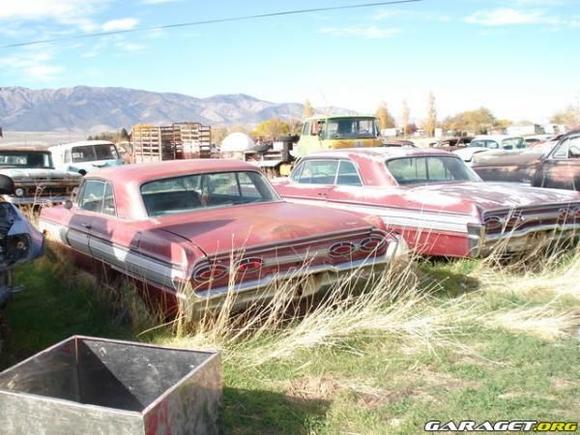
[308, 109]
[385, 118]
[431, 121]
[478, 121]
[406, 116]
[218, 134]
[569, 117]
[294, 126]
[271, 128]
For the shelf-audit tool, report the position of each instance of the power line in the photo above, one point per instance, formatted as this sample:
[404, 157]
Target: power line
[205, 22]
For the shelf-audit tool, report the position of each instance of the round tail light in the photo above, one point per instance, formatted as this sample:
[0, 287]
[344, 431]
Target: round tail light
[342, 249]
[373, 244]
[209, 272]
[250, 265]
[493, 223]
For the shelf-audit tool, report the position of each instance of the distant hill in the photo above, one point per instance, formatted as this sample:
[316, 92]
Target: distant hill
[85, 108]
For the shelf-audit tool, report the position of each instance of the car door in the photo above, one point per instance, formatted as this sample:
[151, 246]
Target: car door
[348, 189]
[88, 206]
[561, 169]
[101, 242]
[312, 180]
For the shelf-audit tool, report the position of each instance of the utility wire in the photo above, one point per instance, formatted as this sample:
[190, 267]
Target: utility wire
[206, 22]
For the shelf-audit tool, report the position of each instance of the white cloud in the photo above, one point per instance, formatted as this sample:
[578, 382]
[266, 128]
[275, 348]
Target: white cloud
[507, 16]
[120, 24]
[33, 64]
[369, 32]
[77, 13]
[129, 46]
[157, 2]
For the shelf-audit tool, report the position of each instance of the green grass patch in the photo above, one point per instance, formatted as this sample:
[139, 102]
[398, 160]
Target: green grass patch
[373, 380]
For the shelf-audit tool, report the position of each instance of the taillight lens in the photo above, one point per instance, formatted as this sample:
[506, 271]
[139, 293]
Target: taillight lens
[493, 223]
[373, 244]
[210, 272]
[342, 249]
[250, 265]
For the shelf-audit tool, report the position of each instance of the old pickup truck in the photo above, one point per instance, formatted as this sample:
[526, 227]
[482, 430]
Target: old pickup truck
[197, 231]
[557, 167]
[439, 205]
[36, 181]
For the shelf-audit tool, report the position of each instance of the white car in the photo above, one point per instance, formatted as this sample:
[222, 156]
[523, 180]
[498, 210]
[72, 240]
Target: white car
[488, 143]
[85, 156]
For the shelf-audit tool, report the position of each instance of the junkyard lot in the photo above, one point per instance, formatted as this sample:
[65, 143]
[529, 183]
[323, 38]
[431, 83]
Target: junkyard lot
[485, 344]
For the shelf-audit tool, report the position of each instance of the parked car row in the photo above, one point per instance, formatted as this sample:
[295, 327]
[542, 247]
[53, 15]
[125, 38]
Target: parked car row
[200, 230]
[46, 176]
[554, 164]
[438, 204]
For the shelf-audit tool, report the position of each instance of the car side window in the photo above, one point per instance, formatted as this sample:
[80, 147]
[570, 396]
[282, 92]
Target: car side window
[109, 201]
[318, 172]
[92, 196]
[306, 129]
[347, 174]
[569, 149]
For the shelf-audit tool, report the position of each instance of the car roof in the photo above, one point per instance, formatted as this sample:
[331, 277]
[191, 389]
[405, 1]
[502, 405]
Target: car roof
[83, 143]
[315, 118]
[24, 147]
[378, 153]
[144, 172]
[496, 137]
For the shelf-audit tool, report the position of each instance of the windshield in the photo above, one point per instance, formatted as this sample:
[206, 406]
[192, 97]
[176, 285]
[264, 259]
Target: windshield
[350, 128]
[513, 143]
[415, 170]
[26, 159]
[193, 192]
[90, 153]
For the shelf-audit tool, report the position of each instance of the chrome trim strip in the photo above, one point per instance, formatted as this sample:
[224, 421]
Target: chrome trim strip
[421, 220]
[524, 232]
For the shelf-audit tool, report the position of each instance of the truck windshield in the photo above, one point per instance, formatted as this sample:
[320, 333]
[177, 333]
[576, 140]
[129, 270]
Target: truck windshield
[436, 169]
[351, 128]
[26, 159]
[198, 191]
[90, 153]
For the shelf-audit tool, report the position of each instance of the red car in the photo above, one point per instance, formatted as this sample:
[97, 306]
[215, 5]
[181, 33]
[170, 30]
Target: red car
[204, 227]
[439, 205]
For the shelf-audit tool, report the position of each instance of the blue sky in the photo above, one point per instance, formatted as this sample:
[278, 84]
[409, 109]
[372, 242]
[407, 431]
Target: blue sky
[520, 58]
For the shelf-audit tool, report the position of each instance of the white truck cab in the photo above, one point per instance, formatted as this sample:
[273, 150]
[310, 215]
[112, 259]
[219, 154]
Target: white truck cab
[85, 156]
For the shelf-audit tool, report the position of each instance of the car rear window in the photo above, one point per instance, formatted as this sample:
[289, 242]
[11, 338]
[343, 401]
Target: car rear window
[198, 191]
[415, 170]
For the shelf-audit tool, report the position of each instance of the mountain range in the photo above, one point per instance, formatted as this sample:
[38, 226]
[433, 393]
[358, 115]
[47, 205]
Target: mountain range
[93, 109]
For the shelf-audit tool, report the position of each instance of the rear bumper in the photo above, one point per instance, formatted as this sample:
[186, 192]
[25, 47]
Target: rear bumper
[482, 245]
[296, 284]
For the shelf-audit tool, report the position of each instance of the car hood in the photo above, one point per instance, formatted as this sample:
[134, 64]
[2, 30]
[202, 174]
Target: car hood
[478, 196]
[32, 173]
[247, 226]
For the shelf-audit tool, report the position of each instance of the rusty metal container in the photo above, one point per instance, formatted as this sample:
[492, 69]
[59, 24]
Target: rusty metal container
[86, 385]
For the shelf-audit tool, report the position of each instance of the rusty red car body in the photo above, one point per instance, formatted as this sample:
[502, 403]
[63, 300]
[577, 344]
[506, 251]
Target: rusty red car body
[154, 224]
[442, 208]
[558, 167]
